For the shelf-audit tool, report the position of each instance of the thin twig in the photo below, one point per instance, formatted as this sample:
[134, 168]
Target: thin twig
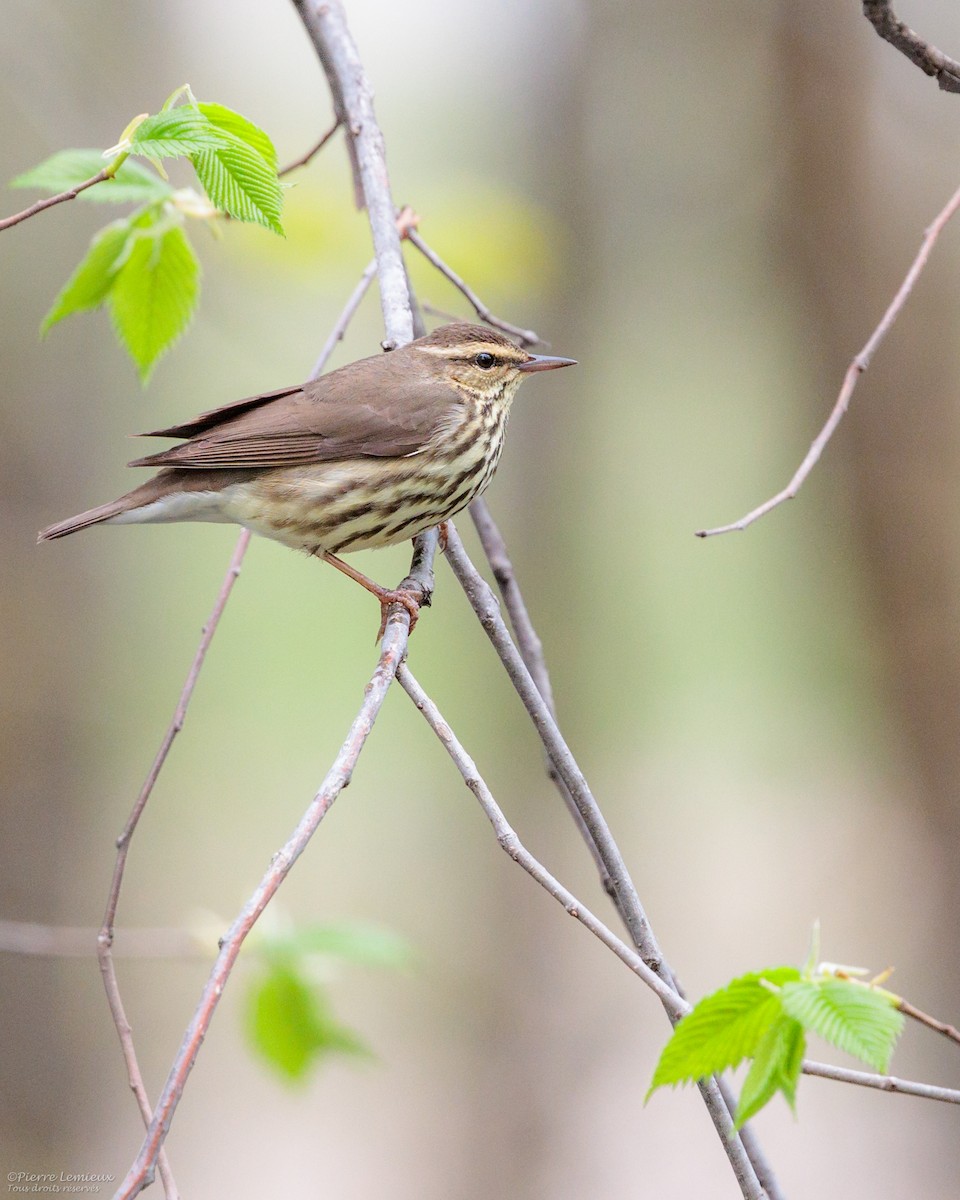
[356, 296]
[854, 371]
[484, 604]
[509, 842]
[66, 941]
[105, 937]
[528, 641]
[921, 53]
[531, 651]
[884, 1083]
[314, 150]
[948, 1031]
[526, 337]
[393, 648]
[50, 201]
[337, 332]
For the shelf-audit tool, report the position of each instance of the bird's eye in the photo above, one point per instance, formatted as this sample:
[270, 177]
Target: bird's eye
[484, 360]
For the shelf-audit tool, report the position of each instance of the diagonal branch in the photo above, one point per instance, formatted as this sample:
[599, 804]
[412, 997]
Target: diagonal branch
[50, 201]
[105, 959]
[921, 53]
[393, 648]
[526, 337]
[675, 1005]
[484, 604]
[531, 651]
[312, 152]
[509, 842]
[854, 371]
[916, 1014]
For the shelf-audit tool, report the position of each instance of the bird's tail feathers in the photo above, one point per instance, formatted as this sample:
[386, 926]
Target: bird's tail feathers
[93, 516]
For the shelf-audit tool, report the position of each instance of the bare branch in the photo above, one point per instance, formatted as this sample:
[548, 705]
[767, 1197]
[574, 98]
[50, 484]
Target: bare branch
[65, 941]
[393, 648]
[350, 308]
[485, 606]
[356, 296]
[105, 937]
[314, 150]
[854, 371]
[526, 337]
[326, 23]
[509, 842]
[885, 1083]
[948, 1031]
[928, 58]
[531, 651]
[625, 894]
[50, 201]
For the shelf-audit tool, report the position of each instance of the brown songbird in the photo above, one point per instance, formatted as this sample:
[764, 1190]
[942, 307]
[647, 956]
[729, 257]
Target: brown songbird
[366, 456]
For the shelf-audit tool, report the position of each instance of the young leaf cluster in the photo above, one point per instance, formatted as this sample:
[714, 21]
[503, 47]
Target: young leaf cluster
[290, 1017]
[765, 1017]
[143, 267]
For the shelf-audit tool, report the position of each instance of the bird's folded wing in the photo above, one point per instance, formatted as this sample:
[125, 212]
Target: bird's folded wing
[341, 415]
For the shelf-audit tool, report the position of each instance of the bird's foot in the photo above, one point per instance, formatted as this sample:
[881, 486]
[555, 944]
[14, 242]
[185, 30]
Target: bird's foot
[410, 601]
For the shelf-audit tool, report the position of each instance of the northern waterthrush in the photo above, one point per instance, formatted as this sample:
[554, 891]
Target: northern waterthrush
[369, 455]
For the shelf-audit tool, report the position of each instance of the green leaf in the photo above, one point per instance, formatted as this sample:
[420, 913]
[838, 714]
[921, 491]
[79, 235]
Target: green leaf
[367, 944]
[723, 1029]
[854, 1018]
[176, 132]
[133, 182]
[154, 294]
[776, 1067]
[291, 1025]
[233, 123]
[90, 283]
[241, 182]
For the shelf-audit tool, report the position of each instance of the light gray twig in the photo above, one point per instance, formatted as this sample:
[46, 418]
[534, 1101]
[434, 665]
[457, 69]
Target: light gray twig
[337, 332]
[854, 371]
[393, 648]
[509, 842]
[105, 959]
[526, 337]
[885, 1083]
[531, 651]
[485, 605]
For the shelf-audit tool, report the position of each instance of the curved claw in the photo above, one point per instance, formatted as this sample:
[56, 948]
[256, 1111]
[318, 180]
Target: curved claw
[408, 599]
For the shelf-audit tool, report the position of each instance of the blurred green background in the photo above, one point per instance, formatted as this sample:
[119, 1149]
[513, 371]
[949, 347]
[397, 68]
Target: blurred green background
[708, 206]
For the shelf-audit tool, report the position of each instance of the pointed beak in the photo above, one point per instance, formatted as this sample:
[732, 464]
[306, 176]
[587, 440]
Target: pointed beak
[545, 362]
